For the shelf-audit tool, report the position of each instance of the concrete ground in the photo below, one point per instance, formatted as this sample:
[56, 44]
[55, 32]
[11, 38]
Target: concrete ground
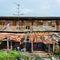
[42, 54]
[45, 55]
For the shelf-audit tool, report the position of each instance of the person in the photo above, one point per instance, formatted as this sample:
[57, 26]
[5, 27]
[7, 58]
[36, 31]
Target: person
[7, 26]
[24, 49]
[18, 48]
[53, 58]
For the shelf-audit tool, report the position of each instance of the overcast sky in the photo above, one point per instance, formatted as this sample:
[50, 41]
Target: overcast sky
[30, 7]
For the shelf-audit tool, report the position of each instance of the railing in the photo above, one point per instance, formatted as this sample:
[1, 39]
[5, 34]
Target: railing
[44, 28]
[14, 28]
[23, 28]
[1, 27]
[38, 28]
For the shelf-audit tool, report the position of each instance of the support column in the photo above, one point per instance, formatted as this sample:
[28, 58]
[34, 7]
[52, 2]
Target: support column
[53, 47]
[59, 46]
[49, 48]
[31, 27]
[25, 42]
[11, 45]
[7, 44]
[58, 25]
[32, 46]
[31, 30]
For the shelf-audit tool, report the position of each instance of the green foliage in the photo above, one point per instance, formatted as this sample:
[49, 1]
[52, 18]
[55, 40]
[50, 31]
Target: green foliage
[9, 55]
[30, 57]
[57, 52]
[13, 55]
[0, 42]
[37, 58]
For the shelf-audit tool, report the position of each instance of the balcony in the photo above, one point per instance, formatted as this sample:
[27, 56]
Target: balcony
[14, 28]
[44, 28]
[38, 28]
[23, 28]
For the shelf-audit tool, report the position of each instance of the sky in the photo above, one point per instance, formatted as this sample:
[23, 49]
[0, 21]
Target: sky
[30, 8]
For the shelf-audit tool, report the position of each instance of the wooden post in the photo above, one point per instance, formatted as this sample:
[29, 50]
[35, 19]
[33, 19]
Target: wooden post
[31, 30]
[26, 40]
[7, 44]
[49, 48]
[32, 46]
[53, 47]
[58, 25]
[11, 45]
[25, 45]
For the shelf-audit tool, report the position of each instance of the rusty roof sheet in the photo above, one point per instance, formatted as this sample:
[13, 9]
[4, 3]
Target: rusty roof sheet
[33, 37]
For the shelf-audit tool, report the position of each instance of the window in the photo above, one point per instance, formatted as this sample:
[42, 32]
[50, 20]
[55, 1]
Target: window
[27, 27]
[49, 23]
[53, 23]
[41, 22]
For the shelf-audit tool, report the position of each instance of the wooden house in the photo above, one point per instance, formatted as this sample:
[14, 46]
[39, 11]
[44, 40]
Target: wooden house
[38, 33]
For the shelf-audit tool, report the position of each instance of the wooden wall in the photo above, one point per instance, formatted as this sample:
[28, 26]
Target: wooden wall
[30, 22]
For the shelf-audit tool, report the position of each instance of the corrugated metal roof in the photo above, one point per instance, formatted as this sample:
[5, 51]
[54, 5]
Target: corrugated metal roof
[28, 18]
[33, 37]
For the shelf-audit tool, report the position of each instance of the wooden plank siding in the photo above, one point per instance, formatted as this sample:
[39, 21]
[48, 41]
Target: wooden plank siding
[32, 21]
